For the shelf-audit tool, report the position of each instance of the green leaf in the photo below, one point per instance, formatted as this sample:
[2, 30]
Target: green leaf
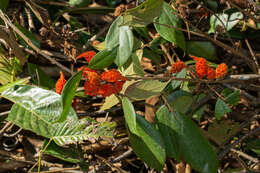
[110, 101]
[67, 154]
[169, 33]
[164, 121]
[180, 100]
[39, 77]
[175, 83]
[4, 5]
[194, 147]
[68, 93]
[199, 112]
[38, 110]
[126, 43]
[143, 14]
[233, 98]
[202, 49]
[135, 68]
[112, 38]
[144, 89]
[79, 3]
[224, 21]
[28, 34]
[5, 70]
[12, 84]
[148, 144]
[103, 59]
[35, 109]
[130, 115]
[221, 108]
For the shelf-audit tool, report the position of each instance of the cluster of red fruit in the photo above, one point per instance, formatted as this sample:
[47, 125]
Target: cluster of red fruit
[202, 68]
[104, 84]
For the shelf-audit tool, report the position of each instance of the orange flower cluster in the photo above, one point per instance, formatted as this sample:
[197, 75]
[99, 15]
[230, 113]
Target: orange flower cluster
[203, 69]
[108, 83]
[178, 66]
[221, 70]
[87, 55]
[60, 83]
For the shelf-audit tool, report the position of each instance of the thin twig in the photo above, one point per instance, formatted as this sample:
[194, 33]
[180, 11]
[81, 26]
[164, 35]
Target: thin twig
[240, 153]
[253, 56]
[230, 146]
[230, 80]
[117, 159]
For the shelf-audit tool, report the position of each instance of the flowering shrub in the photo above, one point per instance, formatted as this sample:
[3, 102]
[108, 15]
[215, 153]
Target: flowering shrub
[108, 83]
[203, 69]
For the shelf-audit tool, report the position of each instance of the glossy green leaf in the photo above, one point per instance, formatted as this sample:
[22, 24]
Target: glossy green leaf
[194, 147]
[176, 83]
[39, 77]
[126, 43]
[38, 110]
[164, 121]
[148, 144]
[143, 14]
[130, 115]
[103, 59]
[224, 21]
[12, 84]
[28, 34]
[68, 93]
[67, 154]
[144, 89]
[112, 38]
[221, 108]
[169, 33]
[203, 49]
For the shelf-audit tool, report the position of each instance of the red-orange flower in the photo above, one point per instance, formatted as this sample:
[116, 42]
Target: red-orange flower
[221, 70]
[87, 55]
[112, 76]
[107, 90]
[60, 83]
[201, 67]
[178, 66]
[91, 88]
[93, 83]
[211, 73]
